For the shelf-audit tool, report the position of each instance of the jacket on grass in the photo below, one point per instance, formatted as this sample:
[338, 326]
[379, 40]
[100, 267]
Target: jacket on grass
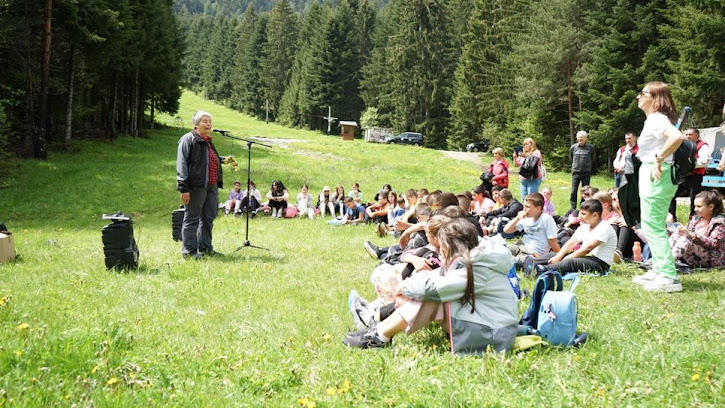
[494, 321]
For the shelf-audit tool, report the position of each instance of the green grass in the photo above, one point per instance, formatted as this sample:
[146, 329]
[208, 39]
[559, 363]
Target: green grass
[263, 328]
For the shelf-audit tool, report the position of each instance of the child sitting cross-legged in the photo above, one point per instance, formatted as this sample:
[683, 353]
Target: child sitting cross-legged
[539, 231]
[482, 312]
[598, 242]
[353, 213]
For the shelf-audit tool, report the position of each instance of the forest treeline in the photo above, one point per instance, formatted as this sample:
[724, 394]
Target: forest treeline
[462, 70]
[84, 68]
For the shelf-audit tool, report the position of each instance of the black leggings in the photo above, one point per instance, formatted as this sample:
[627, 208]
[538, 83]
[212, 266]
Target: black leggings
[626, 237]
[278, 205]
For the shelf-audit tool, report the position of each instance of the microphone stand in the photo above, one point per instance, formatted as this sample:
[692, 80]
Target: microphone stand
[246, 243]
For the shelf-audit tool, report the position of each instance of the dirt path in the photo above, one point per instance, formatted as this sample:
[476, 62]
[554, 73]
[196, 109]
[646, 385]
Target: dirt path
[465, 156]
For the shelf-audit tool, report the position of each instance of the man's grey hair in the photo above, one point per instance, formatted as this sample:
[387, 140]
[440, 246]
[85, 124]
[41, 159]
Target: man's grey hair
[582, 133]
[198, 115]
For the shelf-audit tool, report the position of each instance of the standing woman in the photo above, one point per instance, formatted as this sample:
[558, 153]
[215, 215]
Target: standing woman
[198, 179]
[658, 140]
[529, 186]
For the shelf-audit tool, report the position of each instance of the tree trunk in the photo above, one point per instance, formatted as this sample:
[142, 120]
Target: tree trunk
[134, 105]
[569, 100]
[113, 111]
[69, 105]
[39, 145]
[153, 99]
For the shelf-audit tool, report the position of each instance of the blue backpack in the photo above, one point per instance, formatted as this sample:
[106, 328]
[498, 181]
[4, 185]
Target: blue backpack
[558, 315]
[547, 281]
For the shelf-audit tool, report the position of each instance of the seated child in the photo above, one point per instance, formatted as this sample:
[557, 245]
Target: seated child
[234, 202]
[386, 278]
[548, 204]
[304, 203]
[482, 203]
[483, 308]
[251, 198]
[410, 239]
[355, 193]
[702, 243]
[598, 242]
[510, 208]
[539, 230]
[353, 213]
[325, 202]
[338, 201]
[378, 212]
[278, 197]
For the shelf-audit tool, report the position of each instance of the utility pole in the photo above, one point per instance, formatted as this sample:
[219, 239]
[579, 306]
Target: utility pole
[329, 119]
[266, 111]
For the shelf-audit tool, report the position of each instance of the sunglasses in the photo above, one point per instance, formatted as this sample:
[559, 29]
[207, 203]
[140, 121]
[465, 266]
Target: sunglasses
[643, 92]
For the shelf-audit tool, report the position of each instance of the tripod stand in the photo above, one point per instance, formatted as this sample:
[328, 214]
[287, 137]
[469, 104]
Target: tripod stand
[246, 243]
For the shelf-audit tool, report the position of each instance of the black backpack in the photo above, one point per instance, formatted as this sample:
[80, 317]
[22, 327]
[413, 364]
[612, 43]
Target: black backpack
[683, 161]
[530, 167]
[119, 246]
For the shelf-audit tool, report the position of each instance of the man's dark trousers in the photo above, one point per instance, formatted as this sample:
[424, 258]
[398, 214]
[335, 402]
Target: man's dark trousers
[693, 183]
[576, 178]
[199, 219]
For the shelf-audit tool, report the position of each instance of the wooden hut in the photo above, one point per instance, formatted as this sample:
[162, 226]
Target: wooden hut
[347, 129]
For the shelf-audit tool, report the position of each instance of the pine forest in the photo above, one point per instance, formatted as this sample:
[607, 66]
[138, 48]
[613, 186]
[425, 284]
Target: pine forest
[455, 70]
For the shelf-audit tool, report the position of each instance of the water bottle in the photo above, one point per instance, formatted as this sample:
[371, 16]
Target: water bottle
[637, 252]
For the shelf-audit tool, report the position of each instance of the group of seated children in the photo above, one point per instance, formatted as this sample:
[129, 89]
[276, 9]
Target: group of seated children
[438, 260]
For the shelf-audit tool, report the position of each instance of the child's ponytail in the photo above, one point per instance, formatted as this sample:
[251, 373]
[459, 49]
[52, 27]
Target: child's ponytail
[458, 237]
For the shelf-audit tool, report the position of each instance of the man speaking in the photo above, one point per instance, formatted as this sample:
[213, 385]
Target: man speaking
[198, 179]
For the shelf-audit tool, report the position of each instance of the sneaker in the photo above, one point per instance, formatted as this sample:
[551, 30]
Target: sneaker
[372, 249]
[617, 257]
[361, 313]
[367, 340]
[646, 277]
[663, 283]
[279, 213]
[274, 212]
[528, 265]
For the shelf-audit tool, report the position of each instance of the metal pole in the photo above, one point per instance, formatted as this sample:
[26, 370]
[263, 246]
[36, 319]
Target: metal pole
[266, 107]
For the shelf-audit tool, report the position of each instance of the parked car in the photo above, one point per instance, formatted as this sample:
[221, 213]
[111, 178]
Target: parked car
[410, 138]
[481, 146]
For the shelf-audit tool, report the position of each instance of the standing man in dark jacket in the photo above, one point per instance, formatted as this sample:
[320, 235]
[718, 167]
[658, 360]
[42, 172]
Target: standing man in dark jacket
[198, 179]
[583, 158]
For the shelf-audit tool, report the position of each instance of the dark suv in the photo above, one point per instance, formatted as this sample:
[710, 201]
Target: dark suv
[481, 146]
[412, 138]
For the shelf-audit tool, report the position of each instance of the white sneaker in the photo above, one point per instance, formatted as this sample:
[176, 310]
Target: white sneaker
[646, 277]
[274, 212]
[279, 213]
[663, 284]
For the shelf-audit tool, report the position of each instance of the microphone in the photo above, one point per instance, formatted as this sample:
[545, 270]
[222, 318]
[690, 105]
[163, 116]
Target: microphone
[220, 131]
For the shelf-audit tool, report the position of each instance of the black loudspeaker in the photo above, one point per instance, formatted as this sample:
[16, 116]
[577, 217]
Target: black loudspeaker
[177, 218]
[119, 246]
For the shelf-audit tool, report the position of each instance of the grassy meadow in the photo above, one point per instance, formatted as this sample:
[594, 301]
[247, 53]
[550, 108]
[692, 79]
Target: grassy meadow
[264, 328]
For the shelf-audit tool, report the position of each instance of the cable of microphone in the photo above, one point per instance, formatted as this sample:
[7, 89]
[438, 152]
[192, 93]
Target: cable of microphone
[220, 131]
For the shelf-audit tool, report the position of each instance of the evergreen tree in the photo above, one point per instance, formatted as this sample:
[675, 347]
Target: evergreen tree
[279, 52]
[243, 37]
[696, 31]
[481, 78]
[252, 94]
[409, 74]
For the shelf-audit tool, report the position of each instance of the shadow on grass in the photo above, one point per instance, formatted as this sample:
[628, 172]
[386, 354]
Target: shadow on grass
[249, 254]
[700, 286]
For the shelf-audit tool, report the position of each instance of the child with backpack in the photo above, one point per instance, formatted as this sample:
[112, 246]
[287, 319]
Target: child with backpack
[471, 296]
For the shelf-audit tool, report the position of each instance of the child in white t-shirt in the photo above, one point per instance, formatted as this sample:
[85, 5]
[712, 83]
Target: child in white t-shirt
[598, 243]
[538, 227]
